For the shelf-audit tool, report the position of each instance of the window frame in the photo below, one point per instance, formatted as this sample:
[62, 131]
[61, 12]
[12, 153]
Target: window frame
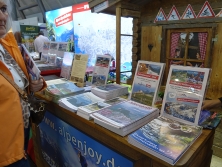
[167, 57]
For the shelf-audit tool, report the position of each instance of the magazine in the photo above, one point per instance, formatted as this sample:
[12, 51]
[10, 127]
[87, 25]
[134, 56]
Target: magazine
[146, 82]
[59, 88]
[123, 118]
[31, 66]
[67, 65]
[165, 138]
[184, 93]
[110, 91]
[73, 102]
[209, 119]
[101, 70]
[86, 111]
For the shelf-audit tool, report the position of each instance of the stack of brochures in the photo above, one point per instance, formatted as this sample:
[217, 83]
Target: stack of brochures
[109, 91]
[86, 111]
[125, 117]
[173, 132]
[73, 102]
[59, 88]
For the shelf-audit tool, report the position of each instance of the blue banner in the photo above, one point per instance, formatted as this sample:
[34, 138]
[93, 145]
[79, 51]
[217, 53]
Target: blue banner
[64, 146]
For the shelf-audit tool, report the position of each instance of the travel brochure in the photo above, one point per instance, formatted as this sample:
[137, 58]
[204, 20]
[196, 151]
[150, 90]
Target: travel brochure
[110, 91]
[67, 65]
[78, 71]
[123, 118]
[165, 138]
[146, 82]
[73, 102]
[86, 111]
[31, 66]
[184, 93]
[101, 70]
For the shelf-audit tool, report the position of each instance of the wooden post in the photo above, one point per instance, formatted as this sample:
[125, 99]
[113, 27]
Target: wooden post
[118, 43]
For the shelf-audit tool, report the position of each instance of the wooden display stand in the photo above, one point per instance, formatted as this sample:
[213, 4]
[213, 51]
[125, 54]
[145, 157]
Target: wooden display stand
[199, 154]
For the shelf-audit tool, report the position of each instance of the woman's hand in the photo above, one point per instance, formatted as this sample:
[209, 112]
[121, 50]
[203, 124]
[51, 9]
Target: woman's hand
[209, 104]
[36, 85]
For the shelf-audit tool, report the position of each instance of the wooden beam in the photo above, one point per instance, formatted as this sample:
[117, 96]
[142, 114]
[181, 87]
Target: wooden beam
[94, 3]
[126, 5]
[130, 13]
[118, 44]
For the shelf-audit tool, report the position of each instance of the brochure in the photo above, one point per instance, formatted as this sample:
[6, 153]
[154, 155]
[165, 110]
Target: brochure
[184, 93]
[67, 65]
[31, 66]
[78, 70]
[146, 82]
[101, 70]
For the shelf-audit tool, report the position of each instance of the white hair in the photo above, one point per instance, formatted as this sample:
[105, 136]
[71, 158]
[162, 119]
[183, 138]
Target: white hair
[9, 9]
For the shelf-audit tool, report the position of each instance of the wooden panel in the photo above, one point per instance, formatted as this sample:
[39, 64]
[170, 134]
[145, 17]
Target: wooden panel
[215, 87]
[118, 44]
[150, 10]
[130, 13]
[151, 35]
[217, 151]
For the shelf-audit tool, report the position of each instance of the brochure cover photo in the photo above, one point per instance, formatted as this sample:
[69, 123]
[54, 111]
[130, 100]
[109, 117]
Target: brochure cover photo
[184, 93]
[146, 82]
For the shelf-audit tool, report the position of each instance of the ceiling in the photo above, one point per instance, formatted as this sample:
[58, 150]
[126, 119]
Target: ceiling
[30, 8]
[40, 6]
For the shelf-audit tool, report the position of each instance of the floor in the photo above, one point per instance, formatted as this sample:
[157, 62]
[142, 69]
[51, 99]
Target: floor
[216, 161]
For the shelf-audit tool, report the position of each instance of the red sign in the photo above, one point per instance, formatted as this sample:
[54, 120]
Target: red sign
[63, 19]
[148, 75]
[80, 7]
[186, 84]
[188, 100]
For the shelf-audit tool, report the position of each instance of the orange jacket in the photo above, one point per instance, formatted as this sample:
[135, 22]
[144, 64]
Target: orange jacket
[11, 120]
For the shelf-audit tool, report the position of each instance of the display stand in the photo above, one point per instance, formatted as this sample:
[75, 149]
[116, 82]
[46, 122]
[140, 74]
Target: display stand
[199, 154]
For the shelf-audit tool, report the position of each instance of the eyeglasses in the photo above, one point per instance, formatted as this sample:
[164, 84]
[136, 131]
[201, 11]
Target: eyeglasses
[3, 9]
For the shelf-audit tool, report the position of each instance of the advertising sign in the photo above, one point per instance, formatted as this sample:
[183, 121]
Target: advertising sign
[29, 34]
[63, 145]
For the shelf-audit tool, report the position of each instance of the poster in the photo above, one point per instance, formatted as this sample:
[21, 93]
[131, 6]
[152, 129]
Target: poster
[63, 145]
[29, 34]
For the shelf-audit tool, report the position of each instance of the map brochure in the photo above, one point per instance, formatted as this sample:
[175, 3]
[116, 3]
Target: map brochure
[125, 117]
[101, 70]
[67, 65]
[184, 93]
[78, 70]
[110, 91]
[165, 138]
[59, 88]
[146, 82]
[86, 111]
[73, 102]
[31, 66]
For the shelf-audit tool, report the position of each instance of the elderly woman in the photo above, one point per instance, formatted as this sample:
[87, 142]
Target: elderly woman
[14, 113]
